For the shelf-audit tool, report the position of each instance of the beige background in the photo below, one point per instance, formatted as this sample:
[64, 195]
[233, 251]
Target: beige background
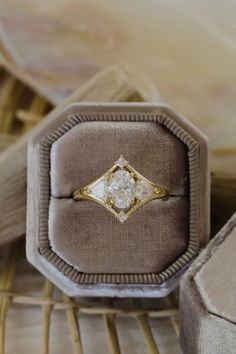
[185, 48]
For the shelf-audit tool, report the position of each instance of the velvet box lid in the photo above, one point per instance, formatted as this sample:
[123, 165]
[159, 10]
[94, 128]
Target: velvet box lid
[207, 297]
[80, 246]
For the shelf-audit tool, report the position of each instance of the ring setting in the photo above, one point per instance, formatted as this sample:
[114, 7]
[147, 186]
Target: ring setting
[121, 190]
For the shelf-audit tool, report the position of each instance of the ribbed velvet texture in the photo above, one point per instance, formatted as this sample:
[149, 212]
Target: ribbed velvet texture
[86, 235]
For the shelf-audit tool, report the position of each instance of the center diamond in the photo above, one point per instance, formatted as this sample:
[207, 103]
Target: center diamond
[121, 189]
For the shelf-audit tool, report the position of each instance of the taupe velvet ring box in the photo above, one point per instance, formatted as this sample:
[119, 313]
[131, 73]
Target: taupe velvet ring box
[208, 297]
[80, 246]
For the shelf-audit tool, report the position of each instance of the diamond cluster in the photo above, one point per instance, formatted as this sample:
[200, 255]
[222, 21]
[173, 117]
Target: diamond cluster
[121, 189]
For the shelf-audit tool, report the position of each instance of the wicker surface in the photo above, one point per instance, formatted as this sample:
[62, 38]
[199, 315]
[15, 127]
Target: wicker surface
[109, 325]
[23, 288]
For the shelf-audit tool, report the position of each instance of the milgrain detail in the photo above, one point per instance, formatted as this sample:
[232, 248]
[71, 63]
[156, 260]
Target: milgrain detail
[72, 273]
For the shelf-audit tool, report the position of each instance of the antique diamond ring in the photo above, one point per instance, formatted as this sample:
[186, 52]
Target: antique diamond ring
[121, 190]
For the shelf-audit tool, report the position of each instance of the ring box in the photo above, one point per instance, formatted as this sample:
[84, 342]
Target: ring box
[80, 246]
[207, 297]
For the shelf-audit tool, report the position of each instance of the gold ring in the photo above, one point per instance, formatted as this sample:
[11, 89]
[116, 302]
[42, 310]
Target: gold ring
[121, 190]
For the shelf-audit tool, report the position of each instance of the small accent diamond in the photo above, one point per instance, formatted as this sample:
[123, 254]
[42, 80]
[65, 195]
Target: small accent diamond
[122, 162]
[122, 216]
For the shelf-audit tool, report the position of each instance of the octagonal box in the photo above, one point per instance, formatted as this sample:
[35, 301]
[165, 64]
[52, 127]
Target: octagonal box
[207, 297]
[82, 247]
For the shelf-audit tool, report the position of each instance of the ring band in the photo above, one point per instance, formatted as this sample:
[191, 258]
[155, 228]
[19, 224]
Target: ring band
[121, 190]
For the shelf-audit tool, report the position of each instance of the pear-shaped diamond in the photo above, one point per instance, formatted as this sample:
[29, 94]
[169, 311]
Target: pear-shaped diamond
[143, 189]
[98, 189]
